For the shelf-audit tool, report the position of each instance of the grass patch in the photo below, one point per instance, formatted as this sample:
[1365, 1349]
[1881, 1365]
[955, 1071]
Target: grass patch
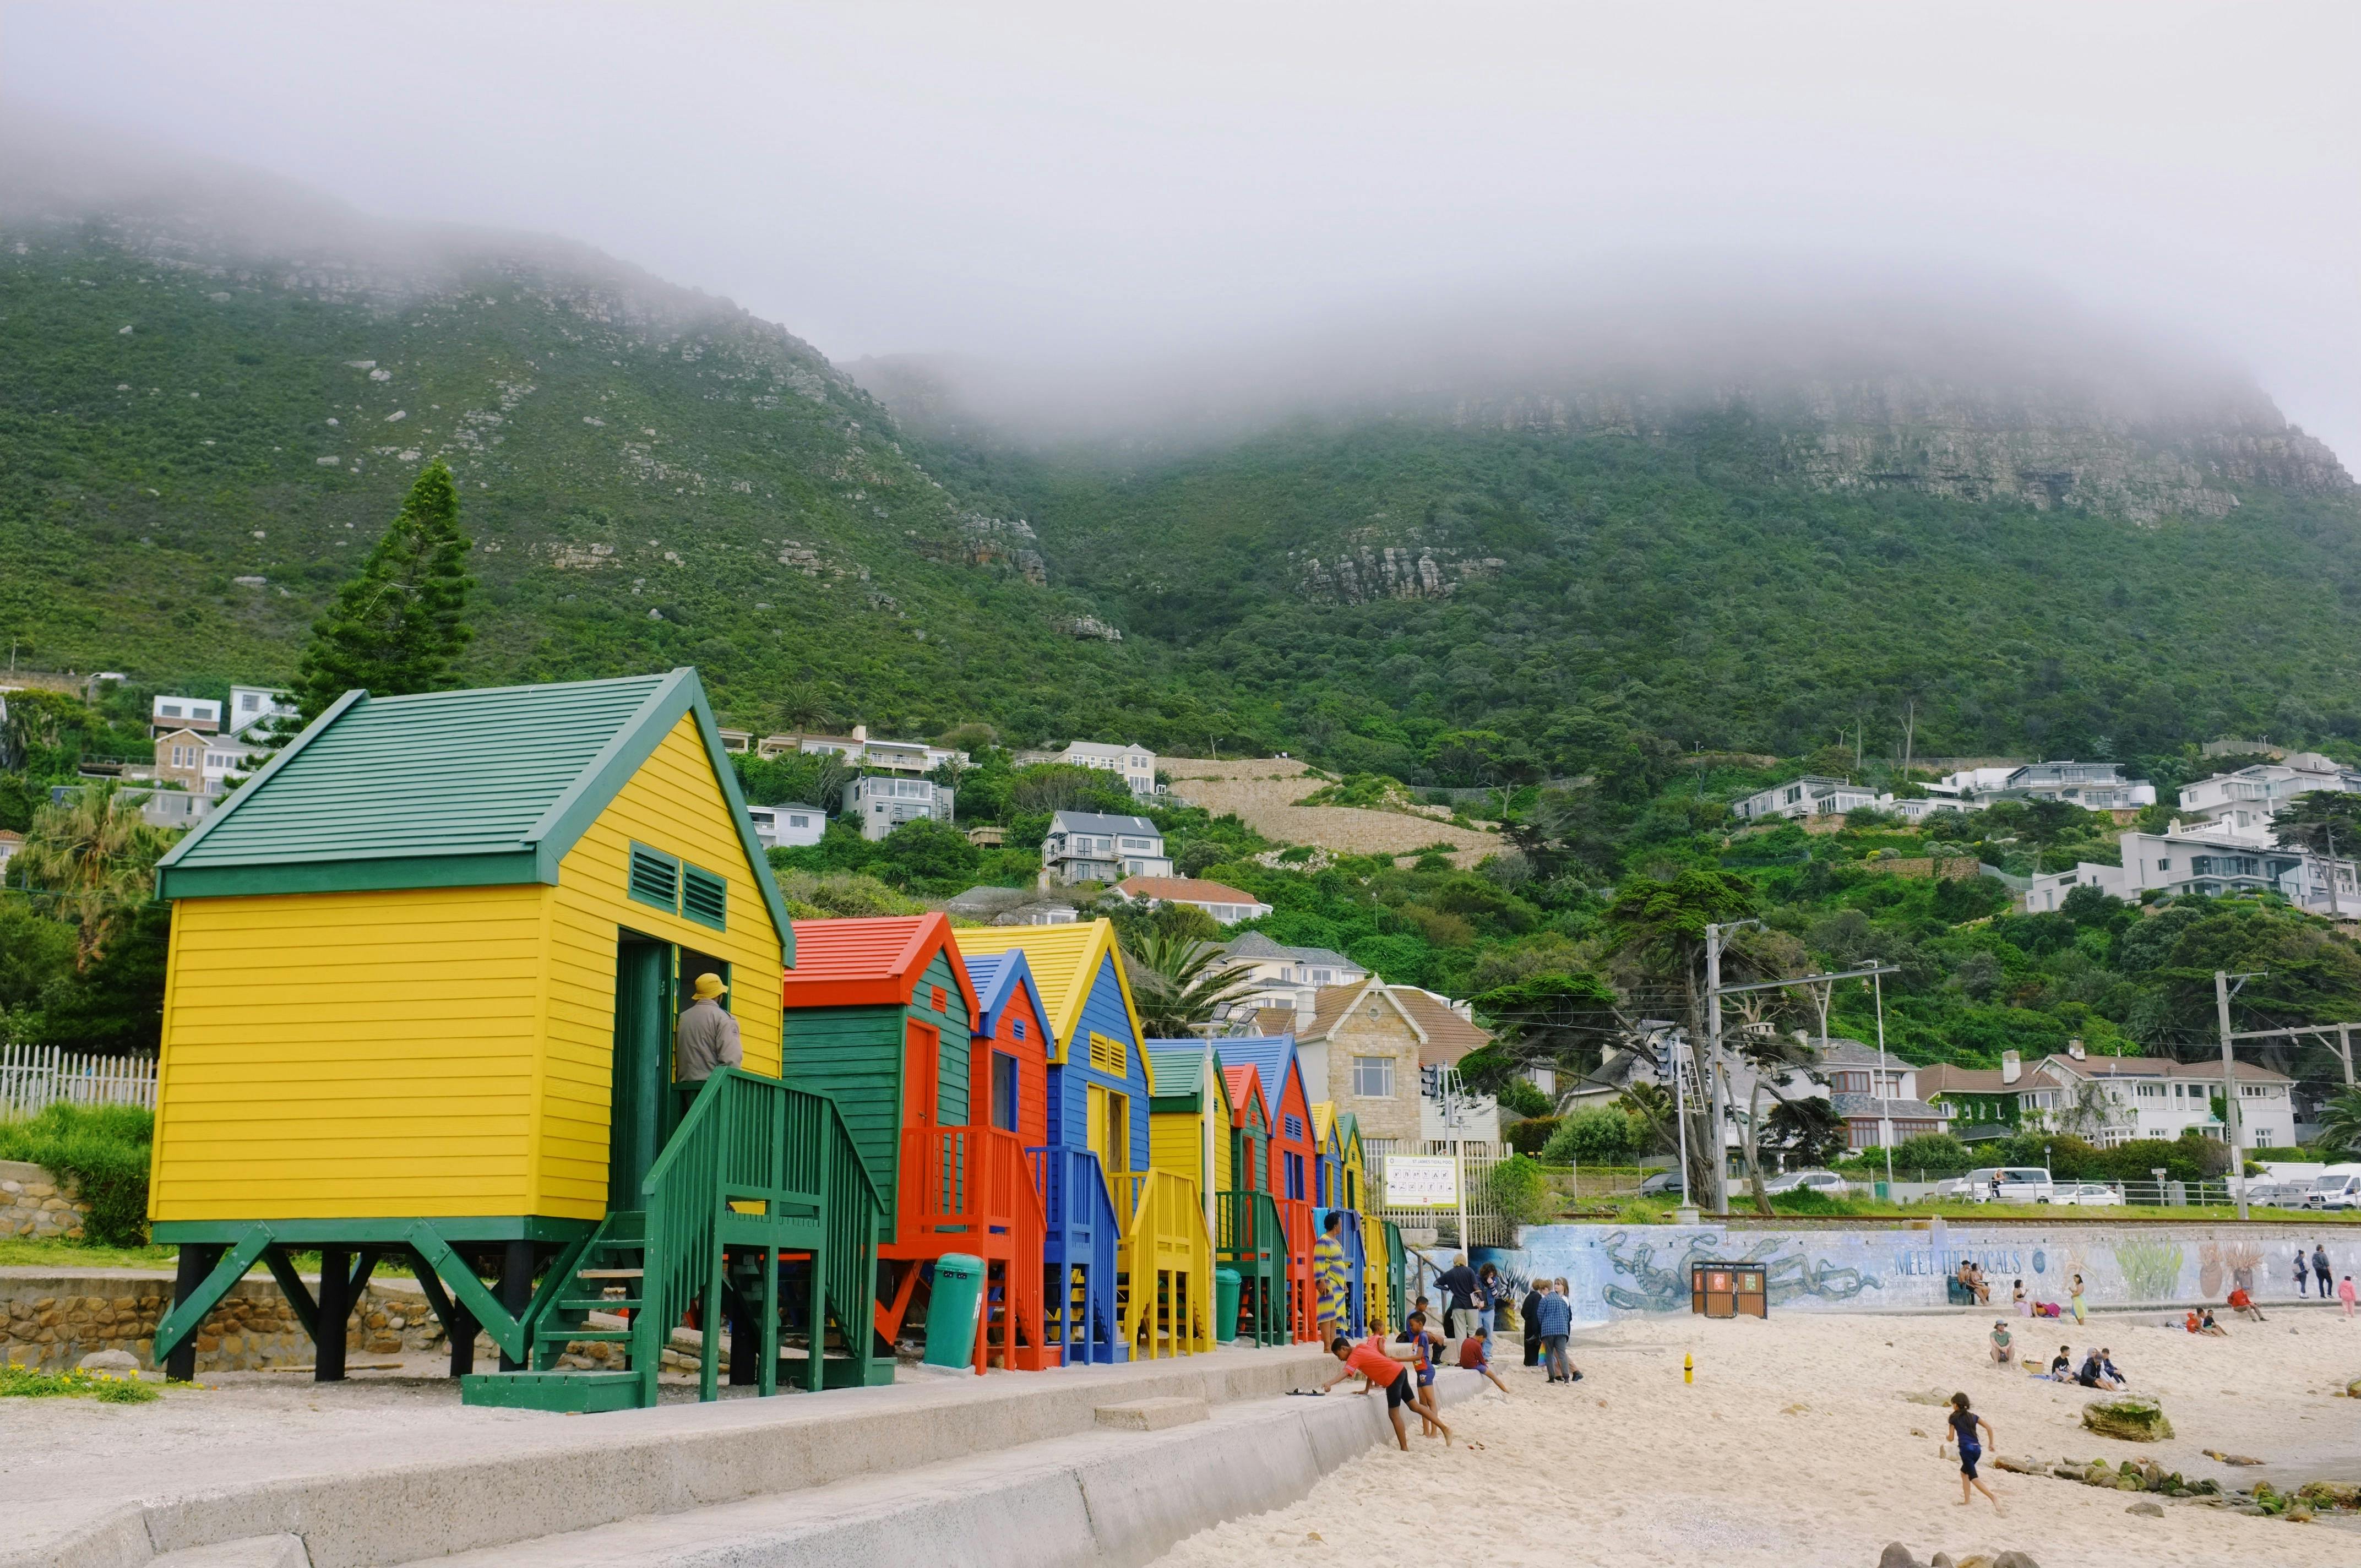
[33, 1252]
[30, 1383]
[105, 1150]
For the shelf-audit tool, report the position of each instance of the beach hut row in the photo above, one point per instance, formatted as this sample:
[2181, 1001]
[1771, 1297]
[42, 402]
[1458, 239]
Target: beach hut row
[424, 976]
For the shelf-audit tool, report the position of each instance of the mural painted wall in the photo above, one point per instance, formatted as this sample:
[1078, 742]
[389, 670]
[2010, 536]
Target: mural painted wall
[1617, 1270]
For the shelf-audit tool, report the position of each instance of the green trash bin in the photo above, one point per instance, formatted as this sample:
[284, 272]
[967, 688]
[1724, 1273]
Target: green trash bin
[952, 1311]
[1226, 1282]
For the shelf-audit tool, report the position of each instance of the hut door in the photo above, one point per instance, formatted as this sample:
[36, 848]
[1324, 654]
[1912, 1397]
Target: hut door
[921, 1075]
[642, 1070]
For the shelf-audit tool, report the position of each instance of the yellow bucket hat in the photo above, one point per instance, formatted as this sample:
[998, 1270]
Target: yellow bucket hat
[709, 986]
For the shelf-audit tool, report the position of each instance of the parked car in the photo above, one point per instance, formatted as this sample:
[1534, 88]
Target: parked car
[1663, 1184]
[2277, 1194]
[1826, 1182]
[2008, 1183]
[2335, 1192]
[2088, 1193]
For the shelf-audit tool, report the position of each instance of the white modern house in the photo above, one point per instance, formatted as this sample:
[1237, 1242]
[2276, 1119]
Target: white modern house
[1135, 764]
[2242, 804]
[789, 827]
[2212, 860]
[1811, 795]
[2115, 1099]
[2093, 787]
[883, 802]
[1088, 846]
[170, 712]
[860, 751]
[252, 708]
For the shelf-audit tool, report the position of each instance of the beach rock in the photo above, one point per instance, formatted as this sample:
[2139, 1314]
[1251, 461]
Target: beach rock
[2128, 1416]
[2021, 1466]
[115, 1361]
[1941, 1559]
[2015, 1560]
[2228, 1458]
[2146, 1511]
[1896, 1555]
[2331, 1494]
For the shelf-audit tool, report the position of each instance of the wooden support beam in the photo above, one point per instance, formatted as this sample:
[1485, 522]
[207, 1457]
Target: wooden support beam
[290, 1285]
[516, 1295]
[195, 1262]
[335, 1309]
[180, 1323]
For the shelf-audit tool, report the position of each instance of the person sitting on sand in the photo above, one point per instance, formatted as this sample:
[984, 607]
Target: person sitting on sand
[1475, 1356]
[2243, 1305]
[2107, 1366]
[2016, 1295]
[2090, 1376]
[2189, 1322]
[2206, 1325]
[2062, 1365]
[1381, 1371]
[2004, 1346]
[1963, 1423]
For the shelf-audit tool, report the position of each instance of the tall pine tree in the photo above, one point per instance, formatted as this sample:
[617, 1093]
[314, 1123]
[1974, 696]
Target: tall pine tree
[396, 628]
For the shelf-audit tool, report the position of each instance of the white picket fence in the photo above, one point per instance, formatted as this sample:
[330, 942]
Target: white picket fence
[34, 1076]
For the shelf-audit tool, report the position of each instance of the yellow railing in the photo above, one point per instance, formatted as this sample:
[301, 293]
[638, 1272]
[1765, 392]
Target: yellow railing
[1165, 1261]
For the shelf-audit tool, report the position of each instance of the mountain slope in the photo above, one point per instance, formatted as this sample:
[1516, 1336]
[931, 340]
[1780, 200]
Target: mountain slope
[1367, 581]
[204, 419]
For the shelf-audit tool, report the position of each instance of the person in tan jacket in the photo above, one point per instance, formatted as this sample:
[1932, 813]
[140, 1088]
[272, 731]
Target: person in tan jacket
[706, 1039]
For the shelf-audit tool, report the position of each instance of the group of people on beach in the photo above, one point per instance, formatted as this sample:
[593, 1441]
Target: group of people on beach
[1404, 1369]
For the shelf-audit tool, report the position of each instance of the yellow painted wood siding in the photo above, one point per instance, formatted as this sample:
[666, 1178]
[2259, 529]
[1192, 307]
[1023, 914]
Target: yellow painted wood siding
[1173, 1143]
[1224, 1160]
[349, 1055]
[674, 804]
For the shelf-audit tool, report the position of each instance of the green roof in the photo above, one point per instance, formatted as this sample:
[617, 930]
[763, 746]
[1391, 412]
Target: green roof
[447, 789]
[1179, 1068]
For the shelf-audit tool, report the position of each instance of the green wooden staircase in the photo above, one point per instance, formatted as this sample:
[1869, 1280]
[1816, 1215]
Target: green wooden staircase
[757, 1172]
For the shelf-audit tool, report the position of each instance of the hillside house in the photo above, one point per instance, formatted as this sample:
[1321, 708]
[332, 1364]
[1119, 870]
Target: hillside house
[2212, 860]
[880, 803]
[167, 713]
[1085, 845]
[1865, 1093]
[913, 758]
[1285, 977]
[2093, 787]
[1811, 795]
[1135, 766]
[1980, 1104]
[252, 709]
[1226, 904]
[2242, 804]
[787, 826]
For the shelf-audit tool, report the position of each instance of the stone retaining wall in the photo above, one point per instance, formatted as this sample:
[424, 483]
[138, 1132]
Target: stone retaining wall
[34, 1202]
[53, 1318]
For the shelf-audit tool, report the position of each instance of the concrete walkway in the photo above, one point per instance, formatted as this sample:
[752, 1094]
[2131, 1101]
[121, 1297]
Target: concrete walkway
[1104, 1497]
[470, 1484]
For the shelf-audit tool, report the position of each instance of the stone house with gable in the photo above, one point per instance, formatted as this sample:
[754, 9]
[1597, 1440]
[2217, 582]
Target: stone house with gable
[1362, 1047]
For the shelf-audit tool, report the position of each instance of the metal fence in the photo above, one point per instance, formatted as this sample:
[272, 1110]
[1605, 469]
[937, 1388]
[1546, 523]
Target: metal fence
[32, 1077]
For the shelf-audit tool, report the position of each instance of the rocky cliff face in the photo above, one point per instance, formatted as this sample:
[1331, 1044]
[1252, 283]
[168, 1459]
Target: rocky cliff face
[2046, 449]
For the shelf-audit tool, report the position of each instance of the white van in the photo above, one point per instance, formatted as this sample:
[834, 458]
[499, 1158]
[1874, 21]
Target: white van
[2335, 1192]
[2007, 1183]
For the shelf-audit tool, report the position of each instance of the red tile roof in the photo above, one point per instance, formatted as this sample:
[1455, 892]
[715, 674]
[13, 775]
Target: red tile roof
[1182, 890]
[877, 961]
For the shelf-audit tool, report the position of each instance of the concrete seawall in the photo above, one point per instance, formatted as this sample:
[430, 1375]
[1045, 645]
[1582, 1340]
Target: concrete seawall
[1625, 1270]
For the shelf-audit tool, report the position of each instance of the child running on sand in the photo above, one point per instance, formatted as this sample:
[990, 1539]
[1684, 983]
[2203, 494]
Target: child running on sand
[1369, 1361]
[1963, 1423]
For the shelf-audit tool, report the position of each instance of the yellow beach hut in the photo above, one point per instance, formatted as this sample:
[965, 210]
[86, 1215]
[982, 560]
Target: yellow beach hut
[420, 1004]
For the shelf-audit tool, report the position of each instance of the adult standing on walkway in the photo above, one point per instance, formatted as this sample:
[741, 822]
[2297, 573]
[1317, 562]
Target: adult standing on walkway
[707, 1039]
[1528, 1312]
[2320, 1274]
[2302, 1270]
[1457, 1283]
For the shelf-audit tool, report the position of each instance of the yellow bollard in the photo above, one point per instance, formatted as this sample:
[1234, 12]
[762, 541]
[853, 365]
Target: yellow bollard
[1689, 1368]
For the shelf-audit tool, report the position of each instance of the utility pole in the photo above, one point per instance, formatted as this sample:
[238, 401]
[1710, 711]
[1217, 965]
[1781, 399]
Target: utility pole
[2231, 1129]
[1718, 1097]
[2330, 828]
[1909, 734]
[1885, 1083]
[1681, 1121]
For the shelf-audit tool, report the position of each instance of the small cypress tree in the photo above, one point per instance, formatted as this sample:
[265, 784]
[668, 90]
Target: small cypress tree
[396, 628]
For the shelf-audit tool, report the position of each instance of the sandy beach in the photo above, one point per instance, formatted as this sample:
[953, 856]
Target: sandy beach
[1797, 1447]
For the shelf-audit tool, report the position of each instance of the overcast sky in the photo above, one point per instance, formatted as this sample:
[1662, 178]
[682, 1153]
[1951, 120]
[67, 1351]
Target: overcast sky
[1018, 178]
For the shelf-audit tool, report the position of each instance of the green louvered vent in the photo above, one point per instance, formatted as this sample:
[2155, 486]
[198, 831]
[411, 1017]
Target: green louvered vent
[655, 877]
[705, 898]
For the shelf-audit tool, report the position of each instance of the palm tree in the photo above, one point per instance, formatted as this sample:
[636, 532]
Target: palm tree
[97, 855]
[2340, 1122]
[1175, 984]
